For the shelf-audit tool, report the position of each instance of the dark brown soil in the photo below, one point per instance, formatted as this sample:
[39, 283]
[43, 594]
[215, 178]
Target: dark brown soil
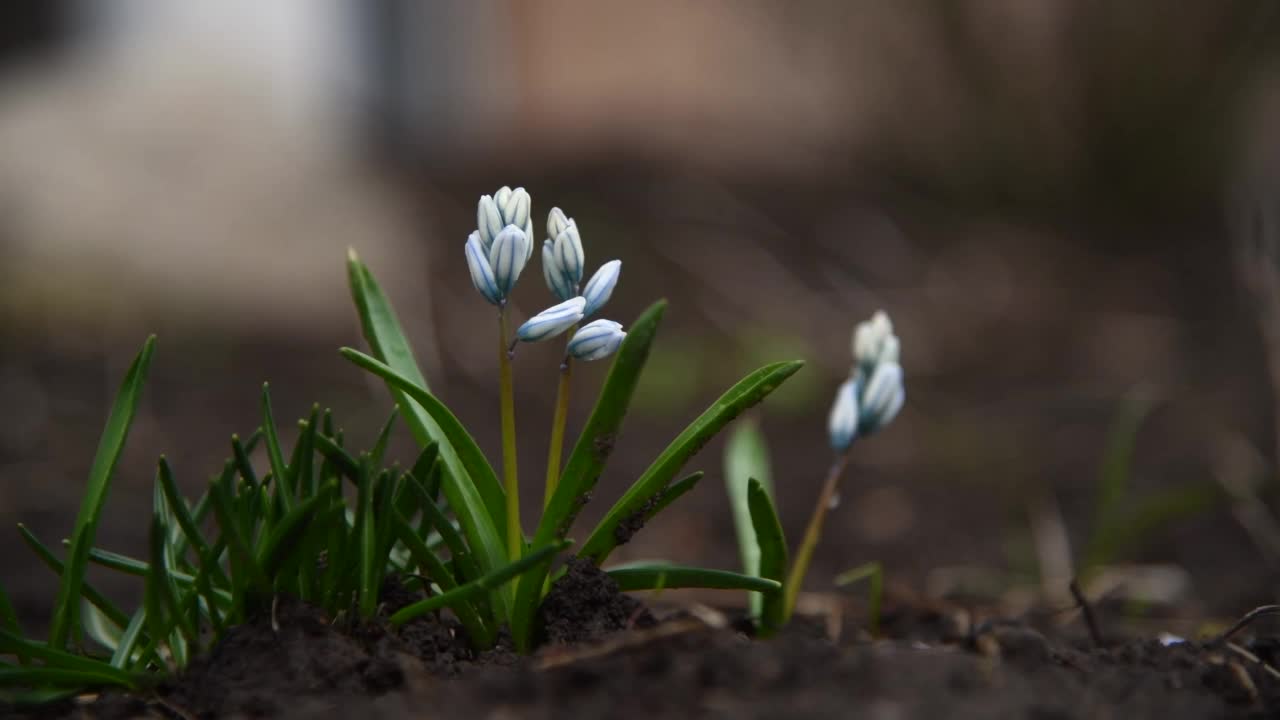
[607, 657]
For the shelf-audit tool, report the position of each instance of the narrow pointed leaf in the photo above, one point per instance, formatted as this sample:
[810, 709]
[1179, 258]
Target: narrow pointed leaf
[749, 391]
[746, 457]
[386, 339]
[659, 575]
[586, 462]
[87, 590]
[772, 556]
[66, 609]
[438, 573]
[276, 457]
[463, 496]
[489, 582]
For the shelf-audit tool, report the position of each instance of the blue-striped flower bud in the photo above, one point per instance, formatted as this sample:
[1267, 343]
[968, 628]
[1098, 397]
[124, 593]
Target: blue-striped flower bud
[600, 286]
[507, 257]
[557, 221]
[552, 321]
[597, 339]
[882, 398]
[874, 342]
[557, 283]
[842, 422]
[569, 255]
[503, 208]
[481, 272]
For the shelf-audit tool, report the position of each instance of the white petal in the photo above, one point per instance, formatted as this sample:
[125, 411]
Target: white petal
[488, 221]
[481, 272]
[552, 321]
[842, 422]
[551, 273]
[596, 339]
[568, 247]
[556, 223]
[508, 256]
[600, 286]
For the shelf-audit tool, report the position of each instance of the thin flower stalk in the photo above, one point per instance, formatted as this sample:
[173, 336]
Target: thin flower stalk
[510, 480]
[558, 422]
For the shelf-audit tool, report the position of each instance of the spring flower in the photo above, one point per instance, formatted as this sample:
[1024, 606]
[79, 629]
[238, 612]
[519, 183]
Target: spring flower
[600, 286]
[842, 423]
[882, 398]
[562, 256]
[597, 339]
[552, 321]
[874, 342]
[503, 208]
[495, 269]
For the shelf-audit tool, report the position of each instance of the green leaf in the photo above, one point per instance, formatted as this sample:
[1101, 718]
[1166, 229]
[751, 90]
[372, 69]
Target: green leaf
[187, 522]
[772, 554]
[436, 518]
[745, 457]
[124, 652]
[369, 563]
[1115, 478]
[456, 443]
[586, 462]
[749, 391]
[245, 570]
[66, 609]
[274, 455]
[164, 611]
[285, 535]
[873, 573]
[652, 576]
[87, 589]
[489, 582]
[55, 659]
[387, 341]
[384, 437]
[480, 634]
[346, 465]
[673, 492]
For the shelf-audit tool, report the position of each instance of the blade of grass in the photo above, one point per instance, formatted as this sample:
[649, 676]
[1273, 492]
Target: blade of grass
[464, 497]
[87, 590]
[342, 461]
[436, 518]
[479, 586]
[36, 675]
[746, 457]
[161, 599]
[1115, 477]
[772, 557]
[284, 492]
[660, 575]
[481, 635]
[873, 573]
[53, 658]
[122, 658]
[384, 437]
[365, 535]
[386, 339]
[66, 608]
[187, 522]
[673, 492]
[586, 462]
[285, 535]
[749, 391]
[241, 455]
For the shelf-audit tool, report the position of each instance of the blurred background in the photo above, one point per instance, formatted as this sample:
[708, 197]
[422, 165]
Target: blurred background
[1071, 210]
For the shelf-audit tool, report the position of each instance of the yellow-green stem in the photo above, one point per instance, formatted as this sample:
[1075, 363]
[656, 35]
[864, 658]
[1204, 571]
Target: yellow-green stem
[811, 535]
[557, 430]
[515, 535]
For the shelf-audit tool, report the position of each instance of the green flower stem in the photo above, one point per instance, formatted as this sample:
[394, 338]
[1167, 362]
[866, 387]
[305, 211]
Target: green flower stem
[515, 536]
[557, 430]
[811, 535]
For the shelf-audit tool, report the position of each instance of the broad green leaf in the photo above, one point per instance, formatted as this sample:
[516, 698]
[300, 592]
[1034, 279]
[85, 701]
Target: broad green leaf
[66, 608]
[386, 339]
[746, 456]
[772, 555]
[663, 576]
[586, 462]
[480, 586]
[455, 442]
[749, 391]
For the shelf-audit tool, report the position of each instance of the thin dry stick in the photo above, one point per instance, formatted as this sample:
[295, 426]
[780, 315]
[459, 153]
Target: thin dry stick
[1245, 621]
[1266, 667]
[1090, 620]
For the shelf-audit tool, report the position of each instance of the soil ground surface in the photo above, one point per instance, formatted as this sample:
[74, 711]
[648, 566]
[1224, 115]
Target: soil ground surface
[606, 655]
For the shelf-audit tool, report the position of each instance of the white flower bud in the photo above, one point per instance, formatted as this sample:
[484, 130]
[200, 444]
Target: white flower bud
[503, 208]
[556, 282]
[557, 221]
[600, 286]
[569, 255]
[488, 221]
[481, 272]
[874, 341]
[597, 339]
[552, 321]
[842, 422]
[882, 398]
[508, 256]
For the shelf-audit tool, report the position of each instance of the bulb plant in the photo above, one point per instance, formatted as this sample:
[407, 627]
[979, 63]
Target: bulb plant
[445, 526]
[488, 516]
[865, 403]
